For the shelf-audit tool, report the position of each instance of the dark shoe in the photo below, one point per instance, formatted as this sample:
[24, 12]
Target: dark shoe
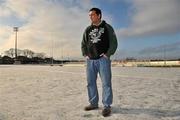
[106, 111]
[90, 107]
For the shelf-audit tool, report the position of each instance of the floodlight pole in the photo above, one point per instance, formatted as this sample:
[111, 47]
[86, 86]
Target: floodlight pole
[165, 55]
[15, 30]
[52, 59]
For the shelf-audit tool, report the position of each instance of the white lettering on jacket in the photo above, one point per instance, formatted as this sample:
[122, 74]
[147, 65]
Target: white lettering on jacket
[95, 35]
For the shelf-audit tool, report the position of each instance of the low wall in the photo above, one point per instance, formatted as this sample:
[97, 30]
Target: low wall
[149, 63]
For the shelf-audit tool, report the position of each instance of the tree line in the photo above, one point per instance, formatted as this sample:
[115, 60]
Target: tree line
[26, 53]
[25, 56]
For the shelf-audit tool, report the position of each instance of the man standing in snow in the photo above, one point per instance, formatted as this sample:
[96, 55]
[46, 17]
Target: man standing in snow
[98, 44]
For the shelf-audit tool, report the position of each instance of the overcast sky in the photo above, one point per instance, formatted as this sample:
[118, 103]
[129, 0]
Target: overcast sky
[144, 28]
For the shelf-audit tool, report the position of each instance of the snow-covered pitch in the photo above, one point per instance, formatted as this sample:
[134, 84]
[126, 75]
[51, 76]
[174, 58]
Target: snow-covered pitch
[32, 92]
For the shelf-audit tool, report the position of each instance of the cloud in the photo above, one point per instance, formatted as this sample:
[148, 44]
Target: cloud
[4, 12]
[154, 17]
[49, 26]
[170, 51]
[5, 33]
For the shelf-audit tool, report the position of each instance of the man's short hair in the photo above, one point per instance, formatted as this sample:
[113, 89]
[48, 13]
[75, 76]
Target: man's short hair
[97, 10]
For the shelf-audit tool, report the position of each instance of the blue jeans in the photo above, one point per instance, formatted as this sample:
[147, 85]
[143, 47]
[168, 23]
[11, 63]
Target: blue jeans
[103, 67]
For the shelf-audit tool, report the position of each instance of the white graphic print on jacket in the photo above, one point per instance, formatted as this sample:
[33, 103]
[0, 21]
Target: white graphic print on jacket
[95, 35]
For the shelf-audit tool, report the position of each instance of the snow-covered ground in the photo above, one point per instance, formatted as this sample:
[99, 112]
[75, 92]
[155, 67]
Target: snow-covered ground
[59, 93]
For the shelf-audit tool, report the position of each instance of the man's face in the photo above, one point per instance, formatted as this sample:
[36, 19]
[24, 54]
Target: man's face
[94, 17]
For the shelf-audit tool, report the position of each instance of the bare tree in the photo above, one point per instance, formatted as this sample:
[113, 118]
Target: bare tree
[28, 53]
[10, 52]
[40, 55]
